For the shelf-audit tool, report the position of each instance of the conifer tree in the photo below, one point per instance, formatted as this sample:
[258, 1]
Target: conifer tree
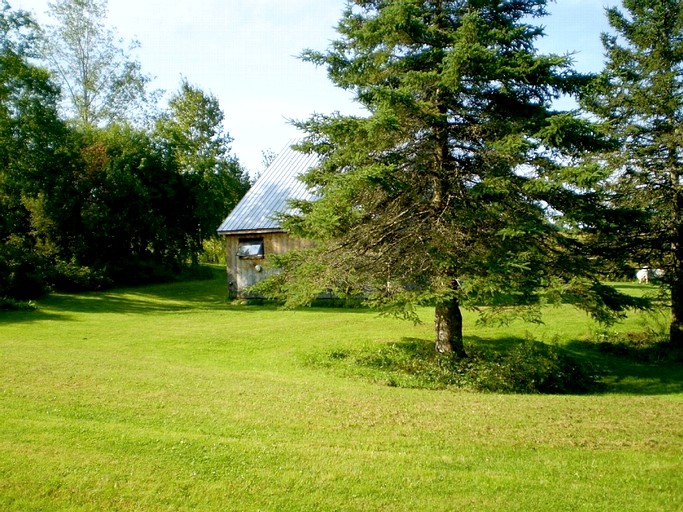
[639, 98]
[450, 190]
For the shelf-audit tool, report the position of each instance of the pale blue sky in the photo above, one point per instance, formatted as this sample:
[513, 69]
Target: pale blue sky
[244, 52]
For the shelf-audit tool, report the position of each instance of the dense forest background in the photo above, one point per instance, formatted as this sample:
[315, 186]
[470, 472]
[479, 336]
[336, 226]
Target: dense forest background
[99, 185]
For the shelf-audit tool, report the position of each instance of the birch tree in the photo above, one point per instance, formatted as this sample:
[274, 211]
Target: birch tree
[101, 82]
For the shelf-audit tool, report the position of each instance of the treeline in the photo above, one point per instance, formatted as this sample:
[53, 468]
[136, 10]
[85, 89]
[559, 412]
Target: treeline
[98, 186]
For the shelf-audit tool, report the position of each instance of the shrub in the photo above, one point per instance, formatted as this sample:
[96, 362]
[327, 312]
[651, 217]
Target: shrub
[7, 304]
[22, 272]
[213, 251]
[529, 367]
[650, 346]
[72, 278]
[533, 367]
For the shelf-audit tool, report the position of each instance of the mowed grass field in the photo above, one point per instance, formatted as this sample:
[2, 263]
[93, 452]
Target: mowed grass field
[168, 398]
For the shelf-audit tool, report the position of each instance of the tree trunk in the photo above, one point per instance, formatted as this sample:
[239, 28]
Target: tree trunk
[448, 324]
[676, 328]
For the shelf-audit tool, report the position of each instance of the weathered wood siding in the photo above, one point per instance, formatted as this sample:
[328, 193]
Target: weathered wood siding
[245, 272]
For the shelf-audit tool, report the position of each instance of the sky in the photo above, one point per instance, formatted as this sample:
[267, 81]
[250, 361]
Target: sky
[244, 52]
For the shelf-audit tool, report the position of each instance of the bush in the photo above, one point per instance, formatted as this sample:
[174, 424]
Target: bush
[533, 367]
[7, 304]
[22, 272]
[529, 367]
[72, 278]
[213, 251]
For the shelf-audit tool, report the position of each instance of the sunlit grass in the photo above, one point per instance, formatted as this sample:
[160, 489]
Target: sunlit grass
[168, 398]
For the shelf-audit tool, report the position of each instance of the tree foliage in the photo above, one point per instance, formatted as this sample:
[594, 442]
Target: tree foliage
[101, 82]
[30, 133]
[639, 99]
[134, 213]
[192, 131]
[84, 206]
[451, 190]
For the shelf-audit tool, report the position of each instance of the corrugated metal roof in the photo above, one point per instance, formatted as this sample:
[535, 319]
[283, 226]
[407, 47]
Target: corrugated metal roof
[269, 195]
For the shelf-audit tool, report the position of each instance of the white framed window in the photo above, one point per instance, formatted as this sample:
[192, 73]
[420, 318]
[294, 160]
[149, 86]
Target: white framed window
[250, 248]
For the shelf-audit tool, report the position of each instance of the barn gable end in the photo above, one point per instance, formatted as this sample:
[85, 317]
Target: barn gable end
[252, 231]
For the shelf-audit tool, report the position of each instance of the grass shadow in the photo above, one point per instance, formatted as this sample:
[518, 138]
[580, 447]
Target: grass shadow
[502, 344]
[209, 293]
[640, 370]
[150, 300]
[516, 366]
[36, 315]
[626, 374]
[509, 365]
[643, 370]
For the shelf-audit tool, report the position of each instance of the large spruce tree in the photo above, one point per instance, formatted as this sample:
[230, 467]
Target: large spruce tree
[448, 192]
[639, 97]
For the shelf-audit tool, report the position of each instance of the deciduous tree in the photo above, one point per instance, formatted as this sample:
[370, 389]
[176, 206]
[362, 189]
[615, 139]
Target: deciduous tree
[192, 130]
[31, 139]
[101, 83]
[130, 214]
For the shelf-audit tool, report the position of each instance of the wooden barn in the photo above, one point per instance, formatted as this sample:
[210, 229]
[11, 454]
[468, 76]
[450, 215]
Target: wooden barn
[252, 232]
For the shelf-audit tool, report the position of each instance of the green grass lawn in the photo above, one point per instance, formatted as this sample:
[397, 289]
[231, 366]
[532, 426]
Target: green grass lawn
[168, 398]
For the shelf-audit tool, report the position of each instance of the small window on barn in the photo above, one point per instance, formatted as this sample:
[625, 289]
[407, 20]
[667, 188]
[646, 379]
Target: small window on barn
[250, 248]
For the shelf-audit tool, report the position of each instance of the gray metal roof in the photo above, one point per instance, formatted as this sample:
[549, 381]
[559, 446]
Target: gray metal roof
[269, 195]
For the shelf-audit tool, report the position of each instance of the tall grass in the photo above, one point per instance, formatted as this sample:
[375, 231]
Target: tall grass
[169, 398]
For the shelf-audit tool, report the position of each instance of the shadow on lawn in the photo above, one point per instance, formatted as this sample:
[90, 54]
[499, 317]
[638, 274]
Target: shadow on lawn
[620, 373]
[149, 299]
[37, 315]
[631, 374]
